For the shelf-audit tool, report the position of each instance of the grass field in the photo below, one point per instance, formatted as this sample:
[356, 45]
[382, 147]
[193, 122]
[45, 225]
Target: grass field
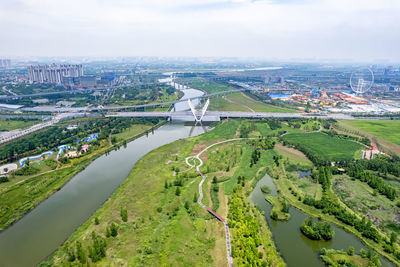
[383, 132]
[9, 124]
[238, 102]
[386, 129]
[328, 148]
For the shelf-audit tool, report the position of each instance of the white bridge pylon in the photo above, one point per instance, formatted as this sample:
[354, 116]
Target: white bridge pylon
[203, 110]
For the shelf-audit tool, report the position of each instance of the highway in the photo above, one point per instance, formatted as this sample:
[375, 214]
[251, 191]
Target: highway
[228, 114]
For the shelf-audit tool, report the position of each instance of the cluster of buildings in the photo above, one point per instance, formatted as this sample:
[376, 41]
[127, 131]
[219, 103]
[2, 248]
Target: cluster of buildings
[68, 76]
[53, 73]
[5, 63]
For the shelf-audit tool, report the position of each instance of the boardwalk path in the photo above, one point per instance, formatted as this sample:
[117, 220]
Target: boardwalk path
[219, 217]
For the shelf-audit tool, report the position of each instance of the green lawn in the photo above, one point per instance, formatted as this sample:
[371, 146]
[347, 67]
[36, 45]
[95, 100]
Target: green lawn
[386, 129]
[10, 124]
[326, 147]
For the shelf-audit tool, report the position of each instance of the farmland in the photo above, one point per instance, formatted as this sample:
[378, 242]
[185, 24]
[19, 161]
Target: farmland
[323, 146]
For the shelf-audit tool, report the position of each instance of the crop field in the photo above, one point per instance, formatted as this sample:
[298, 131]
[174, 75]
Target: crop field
[328, 148]
[386, 129]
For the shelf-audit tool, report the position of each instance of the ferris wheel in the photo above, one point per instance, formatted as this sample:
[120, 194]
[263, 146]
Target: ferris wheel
[361, 80]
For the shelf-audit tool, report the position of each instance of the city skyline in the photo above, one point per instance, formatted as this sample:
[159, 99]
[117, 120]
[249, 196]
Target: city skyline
[292, 30]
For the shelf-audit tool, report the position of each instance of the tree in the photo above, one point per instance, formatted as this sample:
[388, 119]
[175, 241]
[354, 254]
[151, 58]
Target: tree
[166, 184]
[178, 191]
[96, 221]
[98, 249]
[187, 205]
[114, 229]
[195, 197]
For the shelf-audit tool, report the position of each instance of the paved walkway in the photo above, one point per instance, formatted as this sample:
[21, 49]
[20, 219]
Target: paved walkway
[219, 217]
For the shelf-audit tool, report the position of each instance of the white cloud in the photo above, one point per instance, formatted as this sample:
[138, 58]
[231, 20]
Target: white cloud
[359, 29]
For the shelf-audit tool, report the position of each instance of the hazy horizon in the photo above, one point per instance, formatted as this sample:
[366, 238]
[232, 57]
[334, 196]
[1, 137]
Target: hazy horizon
[274, 30]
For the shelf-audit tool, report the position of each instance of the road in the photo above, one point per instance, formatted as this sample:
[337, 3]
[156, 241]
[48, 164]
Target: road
[230, 114]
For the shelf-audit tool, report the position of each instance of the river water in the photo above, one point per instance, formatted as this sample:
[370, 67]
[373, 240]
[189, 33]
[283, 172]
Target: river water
[295, 248]
[45, 228]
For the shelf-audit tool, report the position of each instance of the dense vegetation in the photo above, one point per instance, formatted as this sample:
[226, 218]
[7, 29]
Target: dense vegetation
[245, 230]
[317, 230]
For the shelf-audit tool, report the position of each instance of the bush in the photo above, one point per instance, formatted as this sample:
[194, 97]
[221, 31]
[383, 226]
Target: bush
[265, 189]
[4, 179]
[124, 214]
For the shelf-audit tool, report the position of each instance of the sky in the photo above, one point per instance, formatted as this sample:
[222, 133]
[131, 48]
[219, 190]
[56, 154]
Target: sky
[354, 30]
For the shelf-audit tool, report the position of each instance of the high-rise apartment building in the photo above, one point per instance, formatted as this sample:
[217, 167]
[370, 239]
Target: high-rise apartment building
[53, 73]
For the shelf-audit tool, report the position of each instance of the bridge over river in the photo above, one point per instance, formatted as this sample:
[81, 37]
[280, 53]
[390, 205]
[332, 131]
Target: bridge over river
[218, 115]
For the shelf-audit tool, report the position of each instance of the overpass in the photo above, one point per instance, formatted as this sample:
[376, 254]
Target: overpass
[218, 115]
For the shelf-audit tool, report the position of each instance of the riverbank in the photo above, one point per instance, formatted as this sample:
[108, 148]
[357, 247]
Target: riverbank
[23, 196]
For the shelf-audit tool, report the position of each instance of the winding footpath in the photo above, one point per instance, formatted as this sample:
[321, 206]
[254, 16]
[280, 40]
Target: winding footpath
[219, 217]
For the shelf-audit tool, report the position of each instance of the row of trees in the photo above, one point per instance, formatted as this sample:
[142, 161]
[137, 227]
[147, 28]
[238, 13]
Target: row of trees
[246, 240]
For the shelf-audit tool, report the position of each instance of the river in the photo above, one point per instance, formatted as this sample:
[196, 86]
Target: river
[46, 227]
[295, 248]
